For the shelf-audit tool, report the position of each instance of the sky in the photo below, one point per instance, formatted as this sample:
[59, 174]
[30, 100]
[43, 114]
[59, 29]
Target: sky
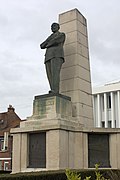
[24, 24]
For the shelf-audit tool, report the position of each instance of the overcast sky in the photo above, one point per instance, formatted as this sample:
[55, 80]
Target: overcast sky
[24, 24]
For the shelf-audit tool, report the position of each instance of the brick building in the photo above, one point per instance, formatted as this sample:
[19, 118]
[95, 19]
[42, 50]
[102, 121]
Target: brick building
[8, 120]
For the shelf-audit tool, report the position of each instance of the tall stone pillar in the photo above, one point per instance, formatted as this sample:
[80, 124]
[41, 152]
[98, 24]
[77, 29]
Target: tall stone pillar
[75, 73]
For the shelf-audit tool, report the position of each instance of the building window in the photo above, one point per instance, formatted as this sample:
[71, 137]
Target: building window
[102, 102]
[1, 144]
[115, 123]
[4, 142]
[6, 165]
[109, 124]
[103, 124]
[108, 101]
[0, 165]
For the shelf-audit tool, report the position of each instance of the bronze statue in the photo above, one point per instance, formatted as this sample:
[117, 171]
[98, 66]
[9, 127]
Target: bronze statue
[54, 56]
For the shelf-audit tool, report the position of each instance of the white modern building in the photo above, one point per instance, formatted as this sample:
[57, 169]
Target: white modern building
[106, 105]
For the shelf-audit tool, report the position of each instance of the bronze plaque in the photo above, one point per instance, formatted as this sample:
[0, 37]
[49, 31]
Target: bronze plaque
[98, 150]
[37, 150]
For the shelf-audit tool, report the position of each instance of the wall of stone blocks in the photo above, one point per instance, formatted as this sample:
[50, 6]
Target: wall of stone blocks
[64, 149]
[75, 74]
[115, 150]
[20, 154]
[67, 149]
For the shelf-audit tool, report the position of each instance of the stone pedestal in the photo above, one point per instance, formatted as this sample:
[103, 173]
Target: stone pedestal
[51, 126]
[51, 110]
[52, 106]
[51, 139]
[64, 147]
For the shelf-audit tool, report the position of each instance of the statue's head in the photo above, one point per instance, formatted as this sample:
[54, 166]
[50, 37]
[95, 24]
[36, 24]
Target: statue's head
[55, 27]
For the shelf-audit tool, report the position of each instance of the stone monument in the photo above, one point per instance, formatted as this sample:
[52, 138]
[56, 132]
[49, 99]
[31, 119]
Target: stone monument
[60, 132]
[52, 129]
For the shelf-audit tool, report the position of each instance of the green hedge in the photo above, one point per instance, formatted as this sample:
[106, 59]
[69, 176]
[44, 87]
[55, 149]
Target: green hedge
[5, 172]
[50, 175]
[59, 175]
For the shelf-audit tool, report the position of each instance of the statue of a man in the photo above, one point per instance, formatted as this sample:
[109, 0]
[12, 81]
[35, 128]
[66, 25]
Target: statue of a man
[54, 56]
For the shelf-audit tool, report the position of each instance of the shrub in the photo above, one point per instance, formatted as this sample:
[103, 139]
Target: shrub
[75, 176]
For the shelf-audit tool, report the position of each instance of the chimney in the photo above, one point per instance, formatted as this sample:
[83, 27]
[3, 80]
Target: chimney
[11, 108]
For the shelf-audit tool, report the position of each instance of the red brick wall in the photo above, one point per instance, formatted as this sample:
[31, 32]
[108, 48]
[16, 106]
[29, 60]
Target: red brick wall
[7, 166]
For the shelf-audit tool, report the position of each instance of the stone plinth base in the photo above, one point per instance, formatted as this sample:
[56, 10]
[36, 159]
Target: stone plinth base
[51, 139]
[50, 123]
[65, 148]
[50, 110]
[52, 106]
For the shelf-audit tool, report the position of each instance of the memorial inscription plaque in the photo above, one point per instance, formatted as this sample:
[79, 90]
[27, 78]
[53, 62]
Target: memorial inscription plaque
[37, 150]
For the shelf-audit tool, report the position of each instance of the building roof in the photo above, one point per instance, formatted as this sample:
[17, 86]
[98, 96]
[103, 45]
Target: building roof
[9, 120]
[114, 86]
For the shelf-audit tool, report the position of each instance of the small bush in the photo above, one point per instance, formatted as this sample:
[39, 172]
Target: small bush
[72, 175]
[75, 176]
